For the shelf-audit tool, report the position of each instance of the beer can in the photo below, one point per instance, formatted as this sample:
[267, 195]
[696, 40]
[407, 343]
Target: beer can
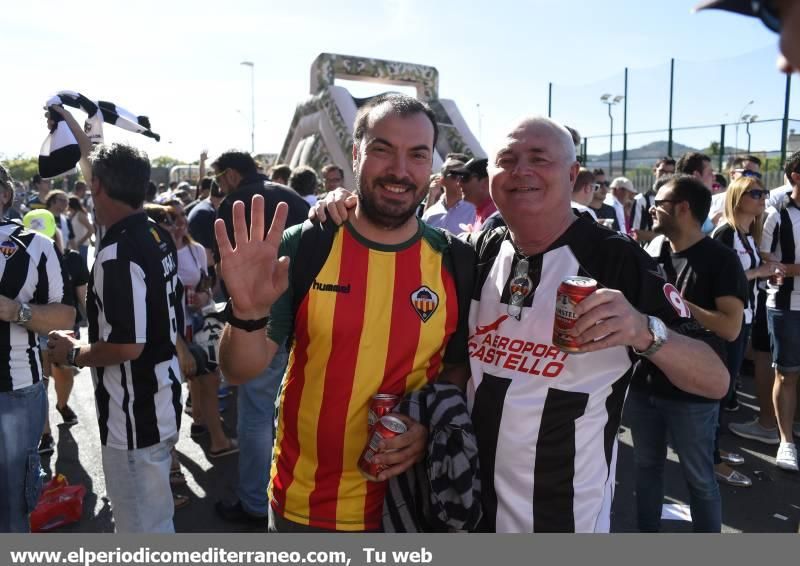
[776, 279]
[386, 427]
[571, 292]
[381, 405]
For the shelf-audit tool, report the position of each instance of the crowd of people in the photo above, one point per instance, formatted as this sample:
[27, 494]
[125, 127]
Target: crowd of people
[311, 298]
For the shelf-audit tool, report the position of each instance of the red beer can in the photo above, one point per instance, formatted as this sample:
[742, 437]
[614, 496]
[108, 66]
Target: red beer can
[386, 427]
[571, 292]
[381, 405]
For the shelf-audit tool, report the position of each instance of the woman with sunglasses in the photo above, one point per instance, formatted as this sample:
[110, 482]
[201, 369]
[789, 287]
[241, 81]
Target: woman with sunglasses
[193, 262]
[740, 229]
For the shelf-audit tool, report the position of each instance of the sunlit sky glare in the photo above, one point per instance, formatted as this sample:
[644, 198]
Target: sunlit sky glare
[178, 62]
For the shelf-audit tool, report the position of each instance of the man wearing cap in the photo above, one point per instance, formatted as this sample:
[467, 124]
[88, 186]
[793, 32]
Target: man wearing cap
[621, 199]
[452, 210]
[31, 289]
[474, 184]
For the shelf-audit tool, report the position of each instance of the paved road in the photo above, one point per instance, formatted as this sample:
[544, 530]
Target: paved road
[744, 510]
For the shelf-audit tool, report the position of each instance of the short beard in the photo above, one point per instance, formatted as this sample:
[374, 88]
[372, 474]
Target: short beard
[377, 217]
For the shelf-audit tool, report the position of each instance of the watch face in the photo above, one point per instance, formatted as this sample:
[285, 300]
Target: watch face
[659, 329]
[25, 313]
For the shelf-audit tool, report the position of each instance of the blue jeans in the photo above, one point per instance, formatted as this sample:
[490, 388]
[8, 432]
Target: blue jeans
[137, 483]
[22, 416]
[691, 427]
[256, 408]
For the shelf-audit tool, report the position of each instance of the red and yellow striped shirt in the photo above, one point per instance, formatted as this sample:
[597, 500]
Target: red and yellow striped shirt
[376, 319]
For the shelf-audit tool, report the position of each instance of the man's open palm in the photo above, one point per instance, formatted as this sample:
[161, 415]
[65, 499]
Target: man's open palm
[254, 275]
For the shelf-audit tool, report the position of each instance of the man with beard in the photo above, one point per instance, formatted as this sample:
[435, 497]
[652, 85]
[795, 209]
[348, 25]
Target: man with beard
[712, 284]
[373, 308]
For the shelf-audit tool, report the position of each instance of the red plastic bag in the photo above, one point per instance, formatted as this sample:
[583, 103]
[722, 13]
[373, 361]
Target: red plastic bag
[59, 504]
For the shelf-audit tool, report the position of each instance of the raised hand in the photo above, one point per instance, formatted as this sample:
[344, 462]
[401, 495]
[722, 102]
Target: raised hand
[254, 275]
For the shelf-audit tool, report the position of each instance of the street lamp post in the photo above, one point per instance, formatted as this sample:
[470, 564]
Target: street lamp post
[741, 119]
[749, 119]
[610, 101]
[252, 104]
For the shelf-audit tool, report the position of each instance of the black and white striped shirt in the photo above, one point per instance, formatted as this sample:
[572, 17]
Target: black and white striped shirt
[29, 273]
[781, 238]
[546, 421]
[135, 297]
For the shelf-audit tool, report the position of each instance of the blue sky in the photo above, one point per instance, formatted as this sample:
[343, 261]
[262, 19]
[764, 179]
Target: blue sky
[179, 63]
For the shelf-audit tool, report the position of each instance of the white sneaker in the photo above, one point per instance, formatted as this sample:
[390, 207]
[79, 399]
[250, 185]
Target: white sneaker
[787, 457]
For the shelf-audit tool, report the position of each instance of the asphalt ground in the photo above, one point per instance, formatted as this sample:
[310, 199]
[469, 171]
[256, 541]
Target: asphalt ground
[772, 504]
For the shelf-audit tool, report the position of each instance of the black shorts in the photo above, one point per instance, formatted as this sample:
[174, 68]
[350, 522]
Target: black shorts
[760, 335]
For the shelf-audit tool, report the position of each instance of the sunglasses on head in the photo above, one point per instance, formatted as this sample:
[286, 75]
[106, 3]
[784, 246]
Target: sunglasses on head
[748, 173]
[757, 194]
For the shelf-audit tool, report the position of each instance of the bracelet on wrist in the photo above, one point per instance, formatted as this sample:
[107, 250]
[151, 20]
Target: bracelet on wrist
[248, 325]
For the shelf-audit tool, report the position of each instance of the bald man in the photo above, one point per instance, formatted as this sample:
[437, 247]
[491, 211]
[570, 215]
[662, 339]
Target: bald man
[546, 419]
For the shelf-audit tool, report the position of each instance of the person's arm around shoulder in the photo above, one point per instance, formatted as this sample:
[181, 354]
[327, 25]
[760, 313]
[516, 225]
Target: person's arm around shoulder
[255, 277]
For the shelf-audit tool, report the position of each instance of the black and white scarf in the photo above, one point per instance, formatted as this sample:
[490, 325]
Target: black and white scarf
[60, 152]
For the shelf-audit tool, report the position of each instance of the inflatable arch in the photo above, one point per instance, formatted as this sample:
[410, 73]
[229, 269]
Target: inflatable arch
[322, 128]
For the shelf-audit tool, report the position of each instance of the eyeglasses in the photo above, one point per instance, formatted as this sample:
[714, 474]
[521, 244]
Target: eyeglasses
[757, 194]
[220, 174]
[658, 203]
[767, 14]
[454, 175]
[748, 173]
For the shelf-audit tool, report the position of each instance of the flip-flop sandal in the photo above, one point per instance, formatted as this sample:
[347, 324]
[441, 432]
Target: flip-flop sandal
[176, 477]
[233, 448]
[180, 501]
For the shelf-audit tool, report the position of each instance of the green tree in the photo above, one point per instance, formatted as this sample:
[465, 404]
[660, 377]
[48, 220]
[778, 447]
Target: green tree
[166, 161]
[21, 168]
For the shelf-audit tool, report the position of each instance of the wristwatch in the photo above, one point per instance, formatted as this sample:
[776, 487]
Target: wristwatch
[246, 325]
[72, 356]
[659, 332]
[25, 314]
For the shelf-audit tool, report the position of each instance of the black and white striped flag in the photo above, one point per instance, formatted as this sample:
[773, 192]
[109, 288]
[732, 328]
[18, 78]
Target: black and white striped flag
[60, 152]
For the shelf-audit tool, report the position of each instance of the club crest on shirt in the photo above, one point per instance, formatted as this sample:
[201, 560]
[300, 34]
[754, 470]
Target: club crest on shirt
[425, 302]
[8, 248]
[674, 297]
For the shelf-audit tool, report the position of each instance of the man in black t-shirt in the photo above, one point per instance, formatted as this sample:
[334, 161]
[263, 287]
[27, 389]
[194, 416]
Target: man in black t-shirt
[708, 281]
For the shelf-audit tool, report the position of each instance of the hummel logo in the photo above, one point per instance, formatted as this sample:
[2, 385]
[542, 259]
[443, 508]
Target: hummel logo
[330, 287]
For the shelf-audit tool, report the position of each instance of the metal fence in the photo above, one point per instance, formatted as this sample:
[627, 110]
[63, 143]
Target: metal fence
[724, 108]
